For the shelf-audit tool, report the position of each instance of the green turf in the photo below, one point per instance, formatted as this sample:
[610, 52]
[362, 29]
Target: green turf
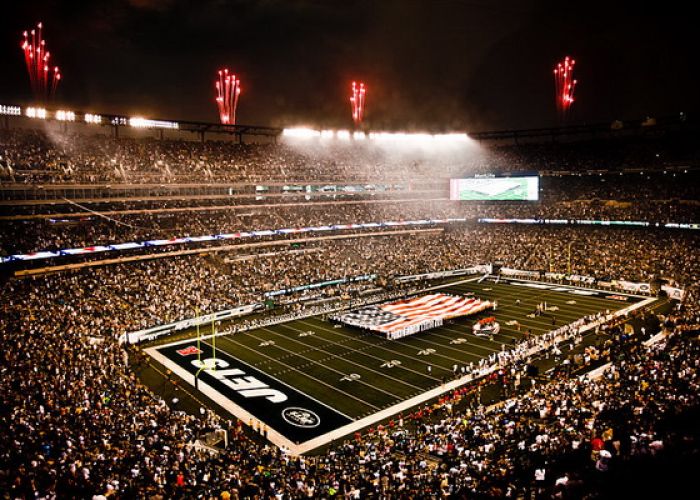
[316, 363]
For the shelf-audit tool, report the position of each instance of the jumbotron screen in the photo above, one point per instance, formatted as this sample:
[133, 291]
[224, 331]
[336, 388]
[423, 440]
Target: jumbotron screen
[524, 188]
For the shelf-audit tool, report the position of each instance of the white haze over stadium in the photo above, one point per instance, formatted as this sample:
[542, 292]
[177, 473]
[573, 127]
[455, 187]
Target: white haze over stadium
[391, 147]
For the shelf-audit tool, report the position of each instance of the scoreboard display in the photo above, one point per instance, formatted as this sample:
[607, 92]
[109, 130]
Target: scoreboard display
[491, 188]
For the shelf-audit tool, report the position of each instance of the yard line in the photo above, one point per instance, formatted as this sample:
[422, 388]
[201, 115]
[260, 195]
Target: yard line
[311, 361]
[371, 345]
[535, 293]
[287, 385]
[564, 310]
[416, 338]
[413, 337]
[330, 386]
[339, 356]
[427, 332]
[378, 345]
[287, 356]
[435, 332]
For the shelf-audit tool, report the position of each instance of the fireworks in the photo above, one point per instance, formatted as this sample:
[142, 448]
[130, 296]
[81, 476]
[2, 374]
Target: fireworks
[228, 88]
[564, 85]
[43, 78]
[357, 102]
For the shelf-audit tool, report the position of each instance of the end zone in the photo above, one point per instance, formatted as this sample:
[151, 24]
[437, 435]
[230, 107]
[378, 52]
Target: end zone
[248, 393]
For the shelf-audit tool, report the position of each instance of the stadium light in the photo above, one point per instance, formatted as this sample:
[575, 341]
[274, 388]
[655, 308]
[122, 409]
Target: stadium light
[419, 139]
[301, 133]
[139, 122]
[452, 138]
[65, 116]
[36, 113]
[10, 110]
[90, 118]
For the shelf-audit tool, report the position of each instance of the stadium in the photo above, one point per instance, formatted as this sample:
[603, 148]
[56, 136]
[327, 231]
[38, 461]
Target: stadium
[390, 287]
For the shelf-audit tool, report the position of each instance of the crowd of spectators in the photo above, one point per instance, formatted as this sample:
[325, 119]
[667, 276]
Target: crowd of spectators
[53, 156]
[77, 423]
[581, 180]
[553, 440]
[117, 224]
[148, 292]
[33, 157]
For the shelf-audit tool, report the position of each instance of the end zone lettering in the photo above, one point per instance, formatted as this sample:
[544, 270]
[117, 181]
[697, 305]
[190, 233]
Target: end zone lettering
[235, 384]
[248, 387]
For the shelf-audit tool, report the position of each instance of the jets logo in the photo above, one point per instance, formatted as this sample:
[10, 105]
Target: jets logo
[300, 417]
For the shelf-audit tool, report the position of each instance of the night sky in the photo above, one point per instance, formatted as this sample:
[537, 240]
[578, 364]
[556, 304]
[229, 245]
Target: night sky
[429, 65]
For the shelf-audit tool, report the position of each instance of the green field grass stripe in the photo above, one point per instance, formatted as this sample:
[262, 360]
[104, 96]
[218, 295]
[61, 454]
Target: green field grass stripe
[339, 361]
[373, 346]
[305, 374]
[340, 357]
[379, 345]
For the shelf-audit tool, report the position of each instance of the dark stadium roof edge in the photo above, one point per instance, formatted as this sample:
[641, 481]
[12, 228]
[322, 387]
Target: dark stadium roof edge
[596, 130]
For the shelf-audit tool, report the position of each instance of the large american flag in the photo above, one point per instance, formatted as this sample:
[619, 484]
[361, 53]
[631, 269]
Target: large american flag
[398, 315]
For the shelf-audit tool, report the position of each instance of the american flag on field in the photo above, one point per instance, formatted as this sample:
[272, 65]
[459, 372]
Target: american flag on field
[398, 315]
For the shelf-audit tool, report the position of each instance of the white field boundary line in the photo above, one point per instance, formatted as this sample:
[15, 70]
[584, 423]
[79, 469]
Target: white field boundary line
[574, 287]
[298, 449]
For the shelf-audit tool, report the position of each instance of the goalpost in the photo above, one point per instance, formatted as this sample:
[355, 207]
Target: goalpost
[199, 348]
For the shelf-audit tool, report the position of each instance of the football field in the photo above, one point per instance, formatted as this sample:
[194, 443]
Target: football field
[310, 381]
